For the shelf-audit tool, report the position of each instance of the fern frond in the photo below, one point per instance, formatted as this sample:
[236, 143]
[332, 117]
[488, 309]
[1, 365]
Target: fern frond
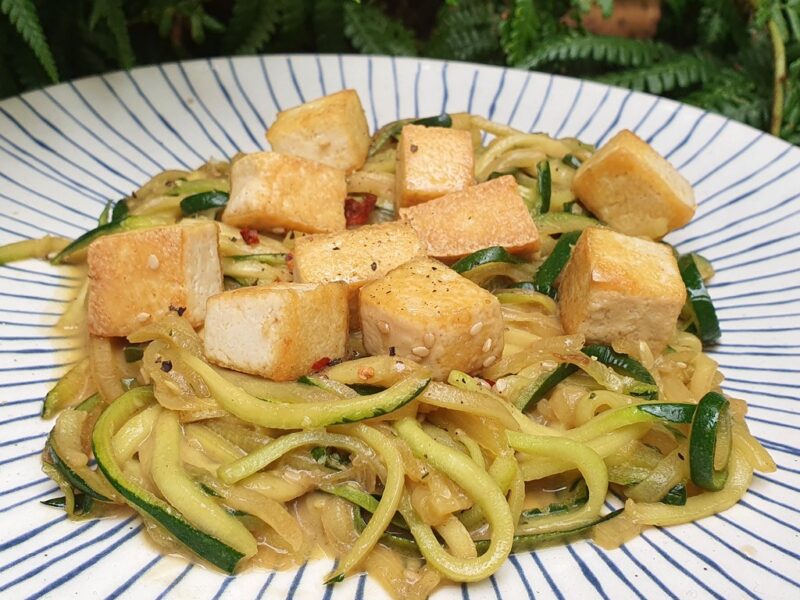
[294, 21]
[23, 16]
[790, 130]
[112, 13]
[251, 26]
[8, 83]
[614, 51]
[735, 96]
[466, 31]
[681, 72]
[371, 31]
[328, 23]
[523, 28]
[28, 69]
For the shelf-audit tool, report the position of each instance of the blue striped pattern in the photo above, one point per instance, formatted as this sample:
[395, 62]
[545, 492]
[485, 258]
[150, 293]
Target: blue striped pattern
[66, 150]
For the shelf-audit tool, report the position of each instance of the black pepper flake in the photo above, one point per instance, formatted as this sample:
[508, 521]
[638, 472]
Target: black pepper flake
[178, 309]
[392, 351]
[166, 366]
[374, 266]
[680, 455]
[413, 148]
[336, 248]
[335, 362]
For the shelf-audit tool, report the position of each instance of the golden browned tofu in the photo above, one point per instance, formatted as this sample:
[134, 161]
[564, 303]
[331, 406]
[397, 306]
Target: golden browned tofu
[277, 191]
[425, 311]
[355, 256]
[630, 186]
[432, 162]
[617, 287]
[135, 277]
[331, 130]
[487, 214]
[277, 331]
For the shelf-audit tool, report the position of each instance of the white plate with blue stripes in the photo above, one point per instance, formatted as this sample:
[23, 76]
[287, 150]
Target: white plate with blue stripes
[66, 150]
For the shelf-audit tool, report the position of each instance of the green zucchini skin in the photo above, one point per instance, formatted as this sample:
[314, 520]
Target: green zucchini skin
[711, 413]
[561, 222]
[391, 131]
[551, 268]
[75, 480]
[627, 365]
[486, 255]
[605, 355]
[112, 418]
[672, 412]
[119, 211]
[442, 120]
[203, 201]
[698, 301]
[676, 496]
[544, 181]
[571, 161]
[556, 376]
[127, 223]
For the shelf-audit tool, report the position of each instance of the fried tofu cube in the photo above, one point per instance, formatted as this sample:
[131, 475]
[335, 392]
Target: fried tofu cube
[331, 130]
[488, 214]
[425, 311]
[630, 186]
[617, 287]
[277, 191]
[355, 256]
[277, 331]
[432, 162]
[136, 276]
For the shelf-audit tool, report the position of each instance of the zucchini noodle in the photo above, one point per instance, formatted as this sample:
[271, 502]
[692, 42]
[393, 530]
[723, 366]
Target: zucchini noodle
[368, 460]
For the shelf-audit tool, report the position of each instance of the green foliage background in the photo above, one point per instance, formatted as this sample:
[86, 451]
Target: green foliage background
[740, 58]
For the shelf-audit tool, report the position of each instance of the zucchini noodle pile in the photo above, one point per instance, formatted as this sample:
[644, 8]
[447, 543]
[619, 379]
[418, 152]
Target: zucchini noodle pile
[416, 482]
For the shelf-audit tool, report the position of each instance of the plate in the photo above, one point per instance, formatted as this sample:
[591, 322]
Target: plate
[68, 149]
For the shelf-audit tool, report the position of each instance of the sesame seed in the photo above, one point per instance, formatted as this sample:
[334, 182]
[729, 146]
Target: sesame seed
[476, 328]
[487, 345]
[428, 339]
[421, 351]
[399, 367]
[142, 317]
[501, 385]
[152, 262]
[489, 361]
[383, 326]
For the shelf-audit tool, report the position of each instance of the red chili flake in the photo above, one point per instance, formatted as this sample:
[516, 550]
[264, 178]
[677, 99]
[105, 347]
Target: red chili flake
[357, 211]
[321, 364]
[250, 236]
[489, 381]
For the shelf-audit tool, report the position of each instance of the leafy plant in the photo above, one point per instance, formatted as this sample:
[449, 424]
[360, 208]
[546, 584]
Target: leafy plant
[740, 58]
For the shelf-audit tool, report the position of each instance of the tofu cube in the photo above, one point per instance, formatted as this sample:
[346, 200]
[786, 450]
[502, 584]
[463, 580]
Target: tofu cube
[355, 256]
[331, 130]
[277, 191]
[488, 214]
[277, 331]
[630, 186]
[427, 312]
[432, 162]
[617, 287]
[134, 277]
